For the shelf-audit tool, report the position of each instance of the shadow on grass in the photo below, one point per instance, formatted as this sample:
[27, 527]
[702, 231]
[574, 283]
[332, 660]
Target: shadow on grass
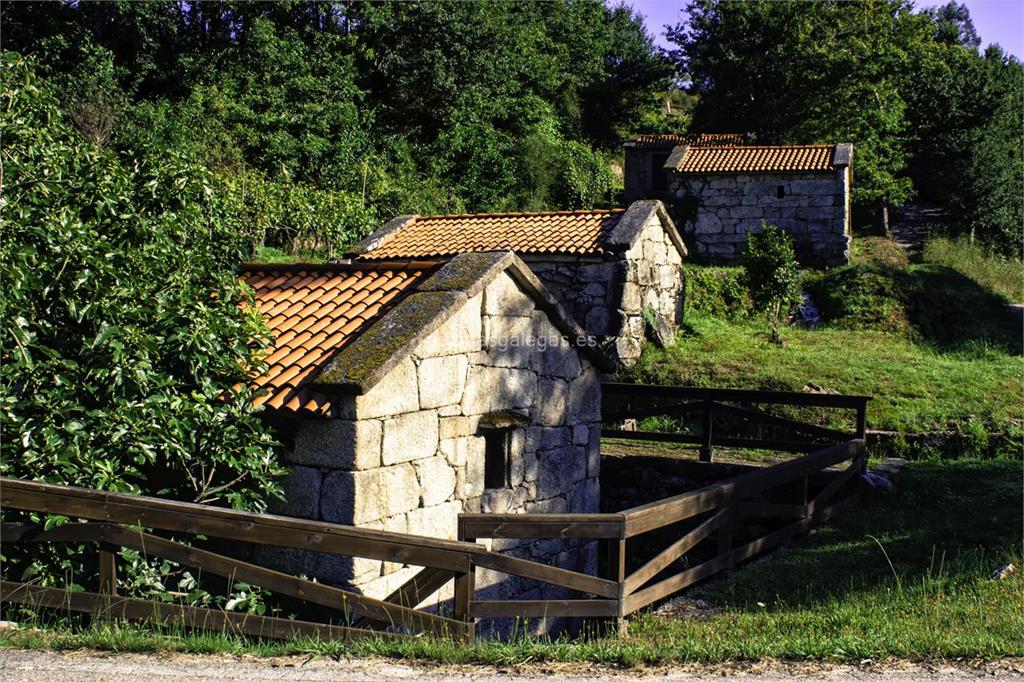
[932, 304]
[953, 522]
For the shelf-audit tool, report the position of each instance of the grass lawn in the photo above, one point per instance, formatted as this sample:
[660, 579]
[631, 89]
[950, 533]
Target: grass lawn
[916, 388]
[905, 574]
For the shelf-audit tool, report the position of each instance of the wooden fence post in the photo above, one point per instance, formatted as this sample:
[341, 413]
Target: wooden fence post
[862, 432]
[705, 449]
[617, 571]
[108, 572]
[465, 590]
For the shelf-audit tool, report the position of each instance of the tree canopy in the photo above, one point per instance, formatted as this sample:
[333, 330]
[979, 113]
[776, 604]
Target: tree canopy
[908, 88]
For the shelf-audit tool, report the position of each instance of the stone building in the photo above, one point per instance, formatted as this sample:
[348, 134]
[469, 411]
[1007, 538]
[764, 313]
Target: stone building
[645, 176]
[722, 193]
[410, 392]
[606, 266]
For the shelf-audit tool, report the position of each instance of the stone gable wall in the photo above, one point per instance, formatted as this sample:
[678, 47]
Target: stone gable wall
[717, 212]
[608, 297]
[410, 456]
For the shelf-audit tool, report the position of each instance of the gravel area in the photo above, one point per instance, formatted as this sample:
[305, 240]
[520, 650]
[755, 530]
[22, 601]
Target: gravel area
[51, 666]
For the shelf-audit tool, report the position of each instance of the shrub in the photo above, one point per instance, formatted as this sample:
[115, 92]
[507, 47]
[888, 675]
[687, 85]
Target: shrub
[716, 292]
[125, 339]
[772, 274]
[586, 178]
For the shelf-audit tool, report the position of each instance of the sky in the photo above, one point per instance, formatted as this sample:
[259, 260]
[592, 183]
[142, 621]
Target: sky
[996, 21]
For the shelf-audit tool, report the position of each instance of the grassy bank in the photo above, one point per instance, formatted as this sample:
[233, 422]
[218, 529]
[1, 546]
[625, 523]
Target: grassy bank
[916, 388]
[905, 574]
[933, 342]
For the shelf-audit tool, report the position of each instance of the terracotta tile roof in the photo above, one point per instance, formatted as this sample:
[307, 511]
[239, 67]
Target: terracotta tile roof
[742, 159]
[667, 142]
[314, 311]
[559, 232]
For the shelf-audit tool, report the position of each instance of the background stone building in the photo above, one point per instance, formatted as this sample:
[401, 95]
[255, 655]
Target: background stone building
[645, 176]
[412, 392]
[605, 266]
[722, 193]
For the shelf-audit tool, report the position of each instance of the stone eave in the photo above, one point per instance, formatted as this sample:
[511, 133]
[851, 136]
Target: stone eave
[367, 360]
[376, 238]
[625, 233]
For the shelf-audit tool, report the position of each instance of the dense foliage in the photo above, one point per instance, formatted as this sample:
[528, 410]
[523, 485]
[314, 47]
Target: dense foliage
[926, 112]
[123, 333]
[391, 107]
[772, 275]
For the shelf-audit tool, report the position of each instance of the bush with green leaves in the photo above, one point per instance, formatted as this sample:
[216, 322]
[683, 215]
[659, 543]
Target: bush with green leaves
[772, 274]
[125, 335]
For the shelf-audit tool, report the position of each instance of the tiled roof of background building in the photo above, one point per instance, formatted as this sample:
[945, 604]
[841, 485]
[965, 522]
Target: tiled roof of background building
[667, 142]
[743, 159]
[559, 232]
[314, 311]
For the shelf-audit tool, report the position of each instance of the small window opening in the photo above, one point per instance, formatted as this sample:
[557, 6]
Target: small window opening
[781, 192]
[496, 457]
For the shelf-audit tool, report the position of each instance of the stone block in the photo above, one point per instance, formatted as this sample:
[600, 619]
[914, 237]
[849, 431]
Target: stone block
[596, 272]
[630, 302]
[436, 480]
[457, 426]
[352, 497]
[540, 438]
[708, 223]
[550, 407]
[458, 451]
[460, 333]
[469, 479]
[301, 486]
[439, 521]
[396, 393]
[560, 469]
[496, 388]
[585, 398]
[746, 212]
[399, 489]
[598, 321]
[508, 340]
[559, 360]
[410, 436]
[503, 297]
[442, 380]
[337, 444]
[497, 501]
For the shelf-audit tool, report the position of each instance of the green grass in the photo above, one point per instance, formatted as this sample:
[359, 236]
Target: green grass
[906, 575]
[1003, 276]
[915, 388]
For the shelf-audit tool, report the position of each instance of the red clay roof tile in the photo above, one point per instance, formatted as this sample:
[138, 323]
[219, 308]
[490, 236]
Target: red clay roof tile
[667, 142]
[572, 232]
[751, 159]
[315, 311]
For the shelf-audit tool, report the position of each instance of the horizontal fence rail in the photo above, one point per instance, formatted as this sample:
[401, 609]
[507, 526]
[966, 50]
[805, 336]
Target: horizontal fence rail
[653, 550]
[630, 402]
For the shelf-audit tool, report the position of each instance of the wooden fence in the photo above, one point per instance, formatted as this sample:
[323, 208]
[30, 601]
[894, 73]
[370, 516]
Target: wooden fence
[709, 530]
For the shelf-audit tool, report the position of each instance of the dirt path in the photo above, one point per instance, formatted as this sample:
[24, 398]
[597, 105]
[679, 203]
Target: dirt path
[913, 224]
[48, 666]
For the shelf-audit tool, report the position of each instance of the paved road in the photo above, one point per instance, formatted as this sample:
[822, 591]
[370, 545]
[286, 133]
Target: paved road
[46, 666]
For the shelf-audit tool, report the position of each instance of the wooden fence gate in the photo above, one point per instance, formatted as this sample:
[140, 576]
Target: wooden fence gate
[706, 530]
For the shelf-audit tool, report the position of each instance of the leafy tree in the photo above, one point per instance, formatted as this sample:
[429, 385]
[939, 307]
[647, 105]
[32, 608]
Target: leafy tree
[125, 340]
[799, 72]
[772, 275]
